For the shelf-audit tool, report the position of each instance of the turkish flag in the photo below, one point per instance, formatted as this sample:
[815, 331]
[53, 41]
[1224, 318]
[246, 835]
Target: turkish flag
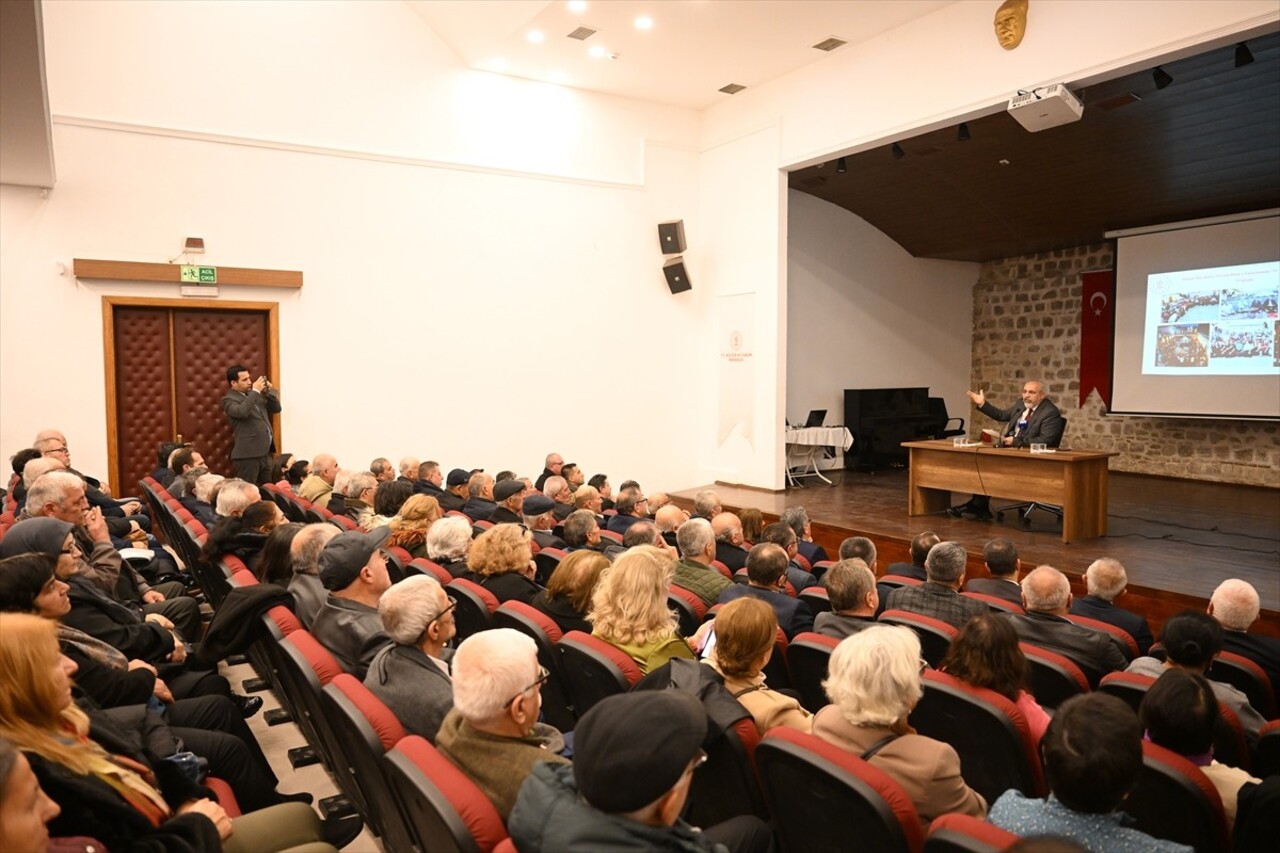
[1097, 334]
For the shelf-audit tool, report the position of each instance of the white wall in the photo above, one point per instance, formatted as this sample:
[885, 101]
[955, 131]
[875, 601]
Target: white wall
[863, 313]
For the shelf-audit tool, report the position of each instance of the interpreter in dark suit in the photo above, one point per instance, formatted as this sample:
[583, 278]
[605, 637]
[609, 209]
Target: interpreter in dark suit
[766, 577]
[249, 405]
[1035, 421]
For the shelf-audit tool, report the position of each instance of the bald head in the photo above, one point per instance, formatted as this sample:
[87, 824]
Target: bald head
[669, 518]
[1046, 590]
[325, 466]
[727, 528]
[1235, 604]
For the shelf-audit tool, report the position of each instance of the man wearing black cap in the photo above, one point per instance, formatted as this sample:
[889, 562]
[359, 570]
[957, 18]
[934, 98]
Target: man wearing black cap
[455, 494]
[539, 518]
[510, 497]
[634, 759]
[354, 571]
[480, 504]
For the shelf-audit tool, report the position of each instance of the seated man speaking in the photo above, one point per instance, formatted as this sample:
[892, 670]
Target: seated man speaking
[1036, 421]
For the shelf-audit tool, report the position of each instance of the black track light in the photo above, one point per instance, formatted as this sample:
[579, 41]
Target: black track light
[898, 153]
[1161, 77]
[962, 135]
[1243, 55]
[841, 166]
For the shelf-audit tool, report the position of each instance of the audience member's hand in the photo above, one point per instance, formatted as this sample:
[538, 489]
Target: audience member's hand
[152, 596]
[699, 638]
[131, 508]
[160, 620]
[134, 529]
[531, 570]
[141, 664]
[161, 692]
[96, 525]
[979, 398]
[212, 811]
[179, 650]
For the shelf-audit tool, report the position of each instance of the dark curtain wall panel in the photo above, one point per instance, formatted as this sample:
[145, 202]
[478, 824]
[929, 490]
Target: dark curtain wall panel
[144, 391]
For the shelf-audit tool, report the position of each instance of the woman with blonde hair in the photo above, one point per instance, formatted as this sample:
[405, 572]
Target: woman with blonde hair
[122, 801]
[629, 608]
[501, 561]
[746, 630]
[873, 682]
[409, 528]
[567, 597]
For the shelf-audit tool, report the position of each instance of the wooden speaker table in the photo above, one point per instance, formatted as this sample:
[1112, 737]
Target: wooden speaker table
[1076, 480]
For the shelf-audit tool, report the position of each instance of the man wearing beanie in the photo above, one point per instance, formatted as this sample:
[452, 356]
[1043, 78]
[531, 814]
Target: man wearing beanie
[354, 571]
[634, 759]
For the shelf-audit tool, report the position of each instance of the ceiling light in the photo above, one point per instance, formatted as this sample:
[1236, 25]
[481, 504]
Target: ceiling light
[535, 36]
[962, 135]
[1161, 77]
[898, 153]
[1243, 55]
[644, 22]
[597, 51]
[577, 5]
[841, 166]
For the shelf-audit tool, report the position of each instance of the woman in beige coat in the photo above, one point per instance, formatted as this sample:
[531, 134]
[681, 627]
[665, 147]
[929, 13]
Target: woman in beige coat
[746, 630]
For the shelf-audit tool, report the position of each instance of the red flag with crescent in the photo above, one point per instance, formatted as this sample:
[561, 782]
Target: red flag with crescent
[1097, 334]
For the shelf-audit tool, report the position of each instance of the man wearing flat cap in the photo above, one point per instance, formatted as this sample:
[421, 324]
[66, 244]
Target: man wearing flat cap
[455, 493]
[539, 516]
[634, 759]
[354, 571]
[510, 497]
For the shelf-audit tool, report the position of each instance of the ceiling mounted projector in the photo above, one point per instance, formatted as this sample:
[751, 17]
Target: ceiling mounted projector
[1045, 107]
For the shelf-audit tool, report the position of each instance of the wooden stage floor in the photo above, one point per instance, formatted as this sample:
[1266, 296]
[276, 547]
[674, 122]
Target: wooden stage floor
[1172, 536]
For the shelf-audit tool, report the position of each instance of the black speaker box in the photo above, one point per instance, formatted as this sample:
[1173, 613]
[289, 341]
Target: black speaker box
[671, 237]
[677, 277]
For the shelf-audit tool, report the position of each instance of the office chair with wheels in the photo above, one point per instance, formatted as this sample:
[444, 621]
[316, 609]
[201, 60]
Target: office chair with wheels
[1025, 508]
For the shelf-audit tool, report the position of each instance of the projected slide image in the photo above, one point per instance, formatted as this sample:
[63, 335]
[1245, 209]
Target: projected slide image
[1218, 321]
[1183, 346]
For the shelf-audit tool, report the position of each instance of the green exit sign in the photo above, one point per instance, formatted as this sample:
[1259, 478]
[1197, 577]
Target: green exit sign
[199, 275]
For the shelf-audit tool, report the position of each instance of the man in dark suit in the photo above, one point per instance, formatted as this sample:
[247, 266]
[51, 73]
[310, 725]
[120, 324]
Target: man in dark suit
[1046, 594]
[632, 506]
[409, 467]
[1035, 421]
[249, 405]
[456, 494]
[797, 518]
[1002, 561]
[536, 512]
[1105, 580]
[920, 545]
[430, 480]
[851, 586]
[1236, 605]
[783, 536]
[553, 464]
[728, 530]
[480, 504]
[766, 577]
[510, 497]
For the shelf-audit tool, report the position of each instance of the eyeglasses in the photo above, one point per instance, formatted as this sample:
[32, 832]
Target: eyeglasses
[924, 664]
[56, 450]
[452, 604]
[543, 675]
[698, 761]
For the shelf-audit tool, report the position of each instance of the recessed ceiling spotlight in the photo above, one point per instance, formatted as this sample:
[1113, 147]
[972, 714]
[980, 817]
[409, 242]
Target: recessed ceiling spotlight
[535, 36]
[597, 51]
[577, 5]
[644, 22]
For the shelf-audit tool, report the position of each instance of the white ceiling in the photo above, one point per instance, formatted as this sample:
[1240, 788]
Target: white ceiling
[694, 47]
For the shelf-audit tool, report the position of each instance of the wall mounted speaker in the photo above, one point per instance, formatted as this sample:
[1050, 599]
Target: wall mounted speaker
[671, 237]
[677, 277]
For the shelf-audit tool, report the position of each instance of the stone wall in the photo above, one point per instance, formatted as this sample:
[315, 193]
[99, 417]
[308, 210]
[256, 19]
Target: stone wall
[1026, 325]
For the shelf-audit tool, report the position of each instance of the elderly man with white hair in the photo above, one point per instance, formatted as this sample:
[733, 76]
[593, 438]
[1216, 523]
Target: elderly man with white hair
[1105, 581]
[308, 592]
[411, 676]
[493, 734]
[561, 493]
[873, 682]
[319, 483]
[448, 542]
[1236, 605]
[235, 496]
[1046, 595]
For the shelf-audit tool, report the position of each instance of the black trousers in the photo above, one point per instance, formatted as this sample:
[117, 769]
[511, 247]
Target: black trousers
[742, 834]
[255, 470]
[179, 608]
[212, 727]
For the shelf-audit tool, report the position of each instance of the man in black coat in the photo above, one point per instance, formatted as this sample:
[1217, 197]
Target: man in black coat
[1046, 594]
[1105, 580]
[1002, 561]
[1236, 605]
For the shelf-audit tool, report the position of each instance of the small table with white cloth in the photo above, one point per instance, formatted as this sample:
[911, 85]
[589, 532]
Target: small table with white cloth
[804, 446]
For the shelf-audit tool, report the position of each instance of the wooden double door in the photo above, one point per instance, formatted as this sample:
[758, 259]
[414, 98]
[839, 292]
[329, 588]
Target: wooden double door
[166, 364]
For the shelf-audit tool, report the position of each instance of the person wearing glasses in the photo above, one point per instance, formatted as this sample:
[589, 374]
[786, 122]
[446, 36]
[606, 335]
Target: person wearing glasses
[632, 506]
[493, 734]
[873, 682]
[635, 756]
[411, 676]
[354, 570]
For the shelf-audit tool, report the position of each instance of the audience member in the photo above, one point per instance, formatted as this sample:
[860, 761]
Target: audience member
[693, 571]
[573, 475]
[408, 472]
[632, 506]
[1235, 604]
[308, 592]
[746, 631]
[1001, 557]
[25, 808]
[920, 545]
[784, 537]
[388, 501]
[581, 531]
[588, 497]
[501, 561]
[448, 544]
[493, 734]
[359, 490]
[1180, 712]
[182, 461]
[234, 496]
[243, 535]
[205, 512]
[986, 654]
[752, 521]
[509, 495]
[1046, 595]
[411, 675]
[1092, 754]
[280, 466]
[634, 759]
[851, 589]
[538, 514]
[567, 598]
[297, 474]
[600, 482]
[410, 528]
[382, 469]
[939, 596]
[645, 533]
[162, 473]
[873, 682]
[797, 518]
[275, 562]
[1191, 641]
[729, 541]
[430, 481]
[319, 483]
[668, 521]
[354, 572]
[455, 495]
[1105, 581]
[554, 463]
[560, 493]
[480, 504]
[861, 548]
[657, 501]
[629, 608]
[766, 578]
[706, 504]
